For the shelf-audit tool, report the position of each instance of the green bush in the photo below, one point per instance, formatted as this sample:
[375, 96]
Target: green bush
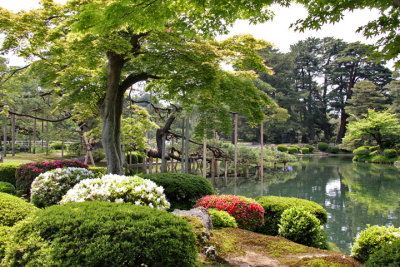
[4, 237]
[310, 147]
[388, 256]
[334, 150]
[57, 145]
[282, 148]
[293, 150]
[7, 188]
[101, 234]
[98, 155]
[305, 150]
[374, 148]
[132, 159]
[98, 171]
[7, 172]
[390, 153]
[48, 188]
[361, 154]
[13, 209]
[322, 146]
[182, 190]
[274, 207]
[222, 219]
[299, 225]
[372, 239]
[75, 149]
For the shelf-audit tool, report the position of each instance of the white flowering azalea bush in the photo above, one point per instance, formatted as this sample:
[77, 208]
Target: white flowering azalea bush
[48, 188]
[117, 188]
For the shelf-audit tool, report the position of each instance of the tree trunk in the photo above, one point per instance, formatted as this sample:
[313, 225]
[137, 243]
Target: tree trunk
[13, 134]
[342, 128]
[111, 115]
[236, 148]
[5, 139]
[187, 146]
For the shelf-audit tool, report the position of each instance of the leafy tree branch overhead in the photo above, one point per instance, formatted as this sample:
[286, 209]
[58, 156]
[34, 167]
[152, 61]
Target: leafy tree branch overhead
[94, 50]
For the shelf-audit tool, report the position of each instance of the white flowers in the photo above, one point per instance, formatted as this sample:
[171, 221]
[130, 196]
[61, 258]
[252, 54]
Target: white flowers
[49, 187]
[119, 189]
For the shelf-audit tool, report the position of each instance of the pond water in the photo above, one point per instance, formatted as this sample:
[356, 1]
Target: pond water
[353, 194]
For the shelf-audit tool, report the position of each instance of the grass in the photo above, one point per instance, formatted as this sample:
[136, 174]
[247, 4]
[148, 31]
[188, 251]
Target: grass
[29, 157]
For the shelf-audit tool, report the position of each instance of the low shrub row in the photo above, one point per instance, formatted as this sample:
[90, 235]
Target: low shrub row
[7, 188]
[374, 155]
[7, 172]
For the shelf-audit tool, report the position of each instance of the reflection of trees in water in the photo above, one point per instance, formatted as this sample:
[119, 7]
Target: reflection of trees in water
[353, 194]
[251, 187]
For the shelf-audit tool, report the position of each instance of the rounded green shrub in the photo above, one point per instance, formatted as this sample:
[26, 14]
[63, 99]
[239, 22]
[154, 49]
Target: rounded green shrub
[322, 146]
[390, 153]
[182, 190]
[222, 219]
[7, 172]
[295, 146]
[4, 236]
[299, 225]
[49, 187]
[374, 148]
[282, 148]
[305, 150]
[98, 171]
[372, 239]
[13, 209]
[57, 145]
[248, 213]
[293, 150]
[310, 147]
[388, 256]
[101, 234]
[132, 159]
[120, 189]
[334, 150]
[361, 154]
[274, 207]
[7, 188]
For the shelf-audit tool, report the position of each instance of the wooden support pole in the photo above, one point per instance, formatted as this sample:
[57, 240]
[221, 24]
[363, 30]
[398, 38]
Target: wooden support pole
[262, 150]
[13, 134]
[156, 165]
[187, 146]
[88, 152]
[205, 155]
[150, 165]
[47, 128]
[163, 163]
[183, 147]
[236, 144]
[34, 134]
[5, 139]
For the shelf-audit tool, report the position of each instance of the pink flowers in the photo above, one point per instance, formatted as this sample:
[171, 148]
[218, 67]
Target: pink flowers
[247, 212]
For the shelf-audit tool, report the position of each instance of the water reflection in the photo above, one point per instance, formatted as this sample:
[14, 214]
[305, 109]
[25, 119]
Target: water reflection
[353, 194]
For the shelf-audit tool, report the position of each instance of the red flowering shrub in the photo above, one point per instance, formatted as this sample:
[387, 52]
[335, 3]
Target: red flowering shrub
[247, 212]
[26, 173]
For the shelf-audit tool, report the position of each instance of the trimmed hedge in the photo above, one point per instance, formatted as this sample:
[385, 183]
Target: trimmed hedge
[57, 145]
[7, 188]
[334, 150]
[299, 225]
[389, 255]
[282, 148]
[293, 150]
[7, 172]
[13, 209]
[310, 147]
[372, 239]
[26, 173]
[390, 153]
[305, 150]
[361, 154]
[323, 146]
[102, 234]
[4, 237]
[274, 207]
[182, 190]
[98, 171]
[222, 219]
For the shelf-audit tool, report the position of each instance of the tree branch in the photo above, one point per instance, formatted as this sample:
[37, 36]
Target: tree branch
[134, 78]
[12, 74]
[67, 116]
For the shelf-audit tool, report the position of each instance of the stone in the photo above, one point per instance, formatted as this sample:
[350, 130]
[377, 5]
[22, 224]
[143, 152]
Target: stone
[201, 213]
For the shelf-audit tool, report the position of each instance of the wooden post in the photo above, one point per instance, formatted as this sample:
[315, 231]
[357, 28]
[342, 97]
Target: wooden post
[156, 165]
[88, 152]
[34, 134]
[172, 160]
[205, 155]
[262, 150]
[217, 168]
[13, 134]
[41, 136]
[226, 172]
[187, 146]
[150, 165]
[62, 149]
[163, 163]
[236, 149]
[144, 164]
[183, 147]
[5, 139]
[212, 167]
[47, 128]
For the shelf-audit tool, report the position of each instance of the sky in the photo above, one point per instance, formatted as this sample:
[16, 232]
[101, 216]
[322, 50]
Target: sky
[276, 31]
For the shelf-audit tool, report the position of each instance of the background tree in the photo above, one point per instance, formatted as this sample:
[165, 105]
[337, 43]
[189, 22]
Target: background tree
[108, 46]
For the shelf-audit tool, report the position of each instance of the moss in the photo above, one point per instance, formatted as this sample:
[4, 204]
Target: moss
[198, 228]
[231, 244]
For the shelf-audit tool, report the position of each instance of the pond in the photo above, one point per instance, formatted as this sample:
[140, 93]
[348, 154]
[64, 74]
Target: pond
[353, 194]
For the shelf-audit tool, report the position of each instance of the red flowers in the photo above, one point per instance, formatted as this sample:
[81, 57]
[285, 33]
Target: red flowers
[247, 212]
